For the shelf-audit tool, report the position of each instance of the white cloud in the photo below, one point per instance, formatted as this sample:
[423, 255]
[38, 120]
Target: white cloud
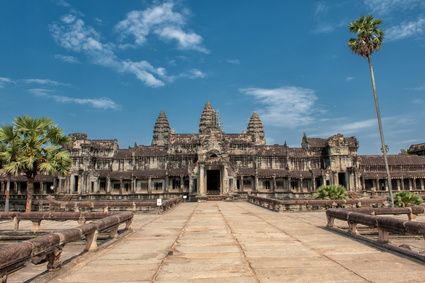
[100, 103]
[66, 58]
[406, 30]
[349, 78]
[161, 20]
[419, 88]
[73, 34]
[40, 91]
[386, 6]
[45, 82]
[323, 28]
[5, 81]
[288, 107]
[194, 74]
[320, 8]
[233, 61]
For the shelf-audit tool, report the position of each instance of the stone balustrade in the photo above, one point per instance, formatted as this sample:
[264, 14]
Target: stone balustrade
[383, 224]
[48, 248]
[110, 205]
[311, 204]
[37, 217]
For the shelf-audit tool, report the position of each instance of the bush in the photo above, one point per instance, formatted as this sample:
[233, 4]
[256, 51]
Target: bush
[331, 192]
[403, 199]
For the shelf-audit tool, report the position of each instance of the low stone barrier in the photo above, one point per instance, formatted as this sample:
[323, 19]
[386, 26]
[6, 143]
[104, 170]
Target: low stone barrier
[312, 204]
[37, 216]
[385, 225]
[109, 205]
[48, 248]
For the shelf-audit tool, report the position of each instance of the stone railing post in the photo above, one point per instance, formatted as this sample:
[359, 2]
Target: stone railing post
[383, 235]
[53, 259]
[16, 223]
[35, 225]
[91, 240]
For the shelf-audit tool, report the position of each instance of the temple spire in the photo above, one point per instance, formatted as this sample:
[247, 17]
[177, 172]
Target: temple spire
[255, 129]
[209, 120]
[161, 130]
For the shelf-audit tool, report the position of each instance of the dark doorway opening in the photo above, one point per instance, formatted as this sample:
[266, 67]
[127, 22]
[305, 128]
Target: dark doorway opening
[213, 182]
[341, 179]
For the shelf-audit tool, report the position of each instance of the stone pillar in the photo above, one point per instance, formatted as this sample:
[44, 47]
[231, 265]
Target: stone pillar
[108, 185]
[274, 183]
[241, 184]
[121, 186]
[42, 190]
[256, 182]
[202, 188]
[398, 184]
[301, 185]
[414, 183]
[133, 185]
[422, 184]
[225, 182]
[181, 184]
[190, 185]
[377, 188]
[149, 185]
[165, 187]
[402, 184]
[289, 184]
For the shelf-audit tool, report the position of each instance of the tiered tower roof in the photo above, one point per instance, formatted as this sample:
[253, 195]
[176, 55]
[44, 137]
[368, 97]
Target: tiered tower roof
[209, 120]
[256, 129]
[161, 130]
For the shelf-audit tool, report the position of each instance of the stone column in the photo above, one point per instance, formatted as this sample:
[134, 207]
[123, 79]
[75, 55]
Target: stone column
[241, 185]
[121, 187]
[422, 184]
[202, 189]
[42, 191]
[190, 190]
[181, 184]
[166, 184]
[256, 183]
[402, 184]
[149, 185]
[377, 185]
[414, 183]
[274, 183]
[108, 185]
[301, 185]
[225, 182]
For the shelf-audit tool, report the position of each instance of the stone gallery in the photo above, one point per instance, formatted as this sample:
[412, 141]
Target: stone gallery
[213, 163]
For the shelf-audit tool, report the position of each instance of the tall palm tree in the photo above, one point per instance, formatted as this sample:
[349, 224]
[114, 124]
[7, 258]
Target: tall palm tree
[369, 39]
[38, 148]
[8, 150]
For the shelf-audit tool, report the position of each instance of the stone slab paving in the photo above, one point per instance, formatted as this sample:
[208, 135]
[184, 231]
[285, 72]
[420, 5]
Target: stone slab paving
[240, 242]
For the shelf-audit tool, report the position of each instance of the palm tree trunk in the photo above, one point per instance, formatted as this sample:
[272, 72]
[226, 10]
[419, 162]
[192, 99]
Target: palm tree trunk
[7, 195]
[381, 131]
[30, 189]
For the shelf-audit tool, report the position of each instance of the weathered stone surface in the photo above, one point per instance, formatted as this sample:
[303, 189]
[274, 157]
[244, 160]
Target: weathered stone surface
[239, 242]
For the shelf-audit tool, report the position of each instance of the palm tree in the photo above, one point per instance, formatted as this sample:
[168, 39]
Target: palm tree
[369, 39]
[8, 149]
[37, 147]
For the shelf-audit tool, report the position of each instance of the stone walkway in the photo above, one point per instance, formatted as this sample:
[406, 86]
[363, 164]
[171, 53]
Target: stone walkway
[239, 242]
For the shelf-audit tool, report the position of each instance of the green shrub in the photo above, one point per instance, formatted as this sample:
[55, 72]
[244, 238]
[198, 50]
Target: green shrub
[331, 192]
[403, 199]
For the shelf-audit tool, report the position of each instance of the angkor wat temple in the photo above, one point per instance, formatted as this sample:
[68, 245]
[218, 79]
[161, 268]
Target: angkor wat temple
[212, 162]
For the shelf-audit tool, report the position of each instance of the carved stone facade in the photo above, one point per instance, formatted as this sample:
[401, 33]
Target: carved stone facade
[212, 162]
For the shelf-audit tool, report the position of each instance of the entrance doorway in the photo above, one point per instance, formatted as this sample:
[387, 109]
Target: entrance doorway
[213, 182]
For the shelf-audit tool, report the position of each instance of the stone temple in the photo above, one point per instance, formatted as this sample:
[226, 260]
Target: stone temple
[214, 163]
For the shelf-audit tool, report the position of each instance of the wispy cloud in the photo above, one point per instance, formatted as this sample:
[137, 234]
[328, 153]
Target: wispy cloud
[320, 8]
[383, 7]
[233, 61]
[287, 106]
[5, 81]
[100, 103]
[363, 127]
[349, 78]
[194, 74]
[406, 30]
[73, 34]
[163, 21]
[66, 58]
[44, 82]
[418, 88]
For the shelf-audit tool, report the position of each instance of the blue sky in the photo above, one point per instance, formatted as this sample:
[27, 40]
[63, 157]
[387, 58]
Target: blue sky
[108, 68]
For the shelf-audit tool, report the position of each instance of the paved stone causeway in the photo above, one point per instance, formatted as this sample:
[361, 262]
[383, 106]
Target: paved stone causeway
[239, 242]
